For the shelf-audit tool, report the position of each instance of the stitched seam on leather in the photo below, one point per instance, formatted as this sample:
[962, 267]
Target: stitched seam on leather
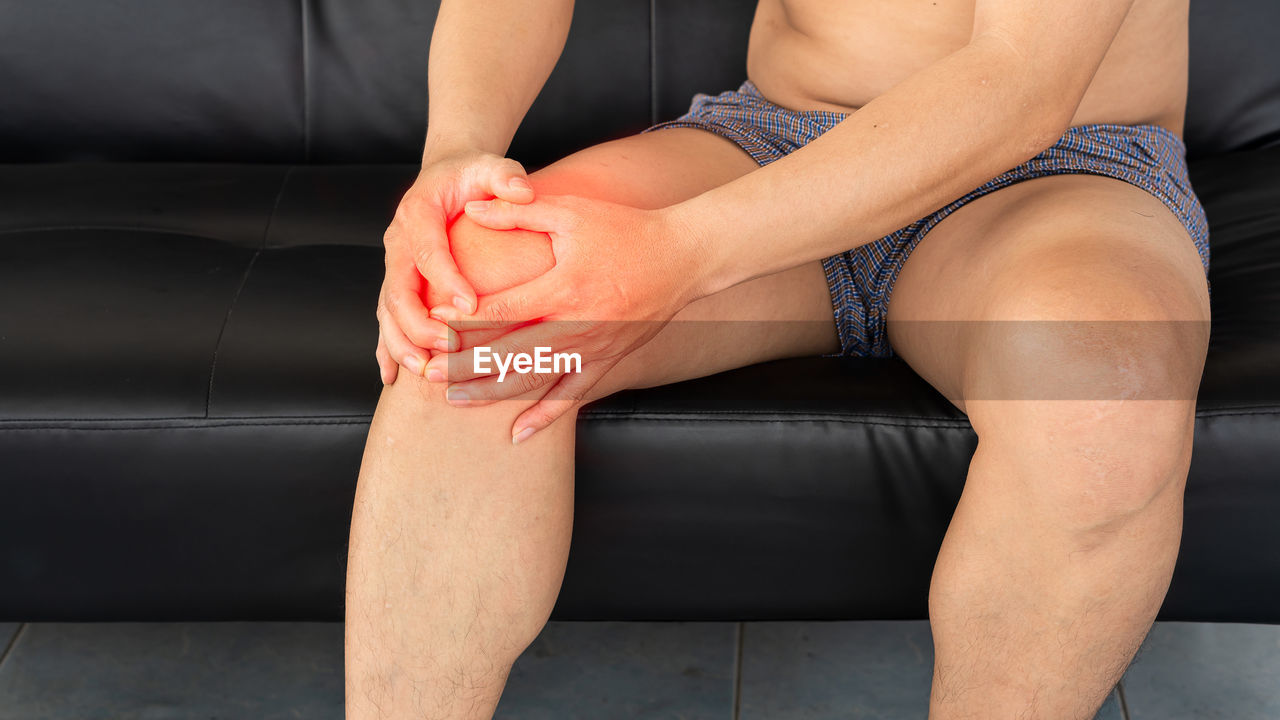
[797, 417]
[653, 62]
[200, 423]
[1232, 413]
[71, 424]
[244, 279]
[275, 206]
[226, 320]
[771, 413]
[128, 425]
[206, 423]
[784, 420]
[306, 84]
[125, 228]
[196, 419]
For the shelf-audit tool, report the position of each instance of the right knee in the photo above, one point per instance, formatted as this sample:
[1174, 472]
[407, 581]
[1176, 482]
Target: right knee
[494, 260]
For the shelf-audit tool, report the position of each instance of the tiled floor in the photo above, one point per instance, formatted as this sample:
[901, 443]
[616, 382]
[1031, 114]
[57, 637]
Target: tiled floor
[601, 671]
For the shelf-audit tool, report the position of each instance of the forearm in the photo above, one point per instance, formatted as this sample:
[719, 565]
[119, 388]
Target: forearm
[488, 61]
[934, 137]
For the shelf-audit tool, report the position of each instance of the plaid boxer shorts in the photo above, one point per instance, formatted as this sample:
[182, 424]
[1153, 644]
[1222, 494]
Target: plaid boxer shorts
[861, 280]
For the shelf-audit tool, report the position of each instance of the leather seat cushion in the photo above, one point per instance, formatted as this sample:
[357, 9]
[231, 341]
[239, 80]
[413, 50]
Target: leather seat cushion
[186, 362]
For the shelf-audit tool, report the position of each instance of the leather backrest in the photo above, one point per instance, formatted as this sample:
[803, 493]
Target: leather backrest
[281, 80]
[323, 81]
[1233, 101]
[151, 80]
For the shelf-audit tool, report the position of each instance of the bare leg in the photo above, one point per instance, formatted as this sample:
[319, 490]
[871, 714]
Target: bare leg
[458, 539]
[1061, 549]
[457, 552]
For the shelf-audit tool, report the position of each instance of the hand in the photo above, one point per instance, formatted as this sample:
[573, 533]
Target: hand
[620, 275]
[418, 257]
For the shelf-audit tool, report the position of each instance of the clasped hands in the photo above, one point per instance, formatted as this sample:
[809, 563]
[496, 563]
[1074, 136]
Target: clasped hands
[620, 274]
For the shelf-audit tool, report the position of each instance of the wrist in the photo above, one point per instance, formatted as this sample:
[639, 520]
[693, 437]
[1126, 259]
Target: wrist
[703, 263]
[445, 146]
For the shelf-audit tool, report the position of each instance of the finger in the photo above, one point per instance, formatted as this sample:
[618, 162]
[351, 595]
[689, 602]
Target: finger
[387, 368]
[468, 339]
[538, 298]
[398, 346]
[488, 390]
[484, 361]
[563, 397]
[431, 256]
[402, 296]
[507, 179]
[546, 215]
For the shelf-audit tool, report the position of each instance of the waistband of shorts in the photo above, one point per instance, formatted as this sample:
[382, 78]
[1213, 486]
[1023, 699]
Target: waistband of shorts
[1139, 131]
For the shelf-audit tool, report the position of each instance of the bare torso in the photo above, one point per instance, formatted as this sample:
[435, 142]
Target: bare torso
[829, 55]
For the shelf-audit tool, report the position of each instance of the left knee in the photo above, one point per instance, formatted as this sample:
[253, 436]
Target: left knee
[1092, 463]
[1097, 417]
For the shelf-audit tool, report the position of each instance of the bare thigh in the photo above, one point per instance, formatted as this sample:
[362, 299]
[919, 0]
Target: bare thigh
[787, 314]
[1063, 248]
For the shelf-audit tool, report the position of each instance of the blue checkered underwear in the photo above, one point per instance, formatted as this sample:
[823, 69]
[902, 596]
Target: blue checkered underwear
[861, 280]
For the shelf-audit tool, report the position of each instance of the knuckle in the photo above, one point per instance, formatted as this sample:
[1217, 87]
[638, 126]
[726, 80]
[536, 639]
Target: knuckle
[501, 311]
[409, 209]
[556, 295]
[394, 302]
[514, 384]
[419, 336]
[530, 381]
[517, 310]
[423, 256]
[575, 392]
[542, 417]
[400, 217]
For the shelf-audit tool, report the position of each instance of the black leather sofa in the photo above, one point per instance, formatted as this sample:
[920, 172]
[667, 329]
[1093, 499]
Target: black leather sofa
[192, 198]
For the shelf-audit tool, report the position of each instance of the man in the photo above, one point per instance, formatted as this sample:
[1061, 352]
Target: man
[1060, 300]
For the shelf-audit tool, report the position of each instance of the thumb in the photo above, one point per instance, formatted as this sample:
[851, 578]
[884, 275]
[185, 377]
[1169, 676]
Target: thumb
[433, 260]
[543, 216]
[507, 179]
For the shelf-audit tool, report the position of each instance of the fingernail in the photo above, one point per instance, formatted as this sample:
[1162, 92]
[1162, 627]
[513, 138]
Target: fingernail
[462, 304]
[477, 206]
[519, 184]
[434, 375]
[451, 340]
[522, 436]
[415, 364]
[456, 396]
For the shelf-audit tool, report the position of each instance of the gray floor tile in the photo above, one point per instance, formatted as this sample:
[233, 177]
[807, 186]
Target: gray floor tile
[672, 671]
[7, 631]
[150, 671]
[1206, 670]
[820, 670]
